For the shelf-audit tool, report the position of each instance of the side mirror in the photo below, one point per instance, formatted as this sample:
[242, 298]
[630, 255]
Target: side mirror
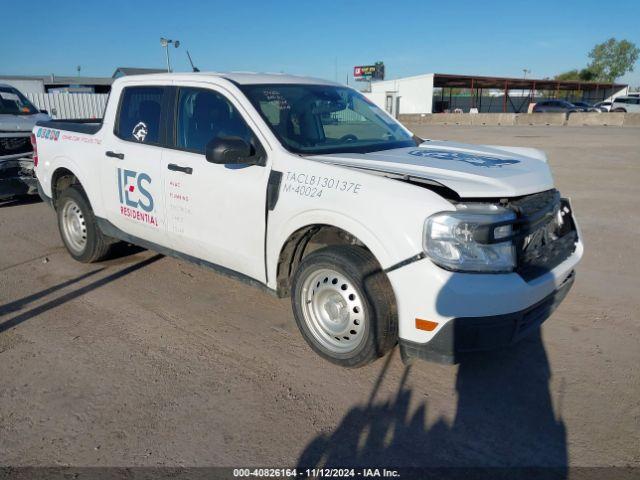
[229, 150]
[45, 112]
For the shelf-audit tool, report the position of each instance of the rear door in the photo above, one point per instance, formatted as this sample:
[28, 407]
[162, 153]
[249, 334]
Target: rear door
[131, 169]
[215, 212]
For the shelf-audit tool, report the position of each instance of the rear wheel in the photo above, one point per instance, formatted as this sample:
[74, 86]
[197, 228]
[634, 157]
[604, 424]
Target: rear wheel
[344, 305]
[78, 228]
[619, 110]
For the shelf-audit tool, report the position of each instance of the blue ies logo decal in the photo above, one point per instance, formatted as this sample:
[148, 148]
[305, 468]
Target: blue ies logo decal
[470, 158]
[136, 202]
[48, 134]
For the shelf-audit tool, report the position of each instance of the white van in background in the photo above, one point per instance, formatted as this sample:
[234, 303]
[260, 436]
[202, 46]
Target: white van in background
[627, 103]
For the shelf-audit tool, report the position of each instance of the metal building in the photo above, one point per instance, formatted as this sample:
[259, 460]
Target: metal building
[57, 84]
[71, 84]
[438, 92]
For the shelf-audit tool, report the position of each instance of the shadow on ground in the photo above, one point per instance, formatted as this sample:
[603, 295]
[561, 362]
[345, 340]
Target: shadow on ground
[504, 418]
[21, 303]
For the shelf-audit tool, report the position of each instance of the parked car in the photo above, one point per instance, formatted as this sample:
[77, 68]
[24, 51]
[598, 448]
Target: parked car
[378, 236]
[556, 106]
[627, 103]
[17, 119]
[603, 106]
[587, 107]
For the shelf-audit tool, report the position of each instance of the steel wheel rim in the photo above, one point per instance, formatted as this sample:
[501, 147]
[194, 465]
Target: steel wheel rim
[333, 310]
[74, 226]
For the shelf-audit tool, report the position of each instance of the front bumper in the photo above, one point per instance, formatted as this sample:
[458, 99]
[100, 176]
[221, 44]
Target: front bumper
[470, 334]
[17, 178]
[473, 311]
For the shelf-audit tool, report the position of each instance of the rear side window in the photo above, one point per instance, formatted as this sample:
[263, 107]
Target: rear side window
[139, 116]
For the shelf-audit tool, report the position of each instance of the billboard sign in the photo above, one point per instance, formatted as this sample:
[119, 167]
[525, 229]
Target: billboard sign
[369, 72]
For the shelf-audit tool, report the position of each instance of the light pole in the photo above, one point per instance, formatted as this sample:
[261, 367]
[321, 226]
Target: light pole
[165, 43]
[526, 71]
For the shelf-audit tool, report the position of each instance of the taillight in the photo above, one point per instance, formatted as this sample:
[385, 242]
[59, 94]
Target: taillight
[35, 149]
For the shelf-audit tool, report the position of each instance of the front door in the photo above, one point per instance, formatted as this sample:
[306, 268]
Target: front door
[131, 169]
[214, 212]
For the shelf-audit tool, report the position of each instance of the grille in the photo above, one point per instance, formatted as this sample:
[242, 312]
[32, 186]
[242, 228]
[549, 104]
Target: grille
[14, 145]
[547, 233]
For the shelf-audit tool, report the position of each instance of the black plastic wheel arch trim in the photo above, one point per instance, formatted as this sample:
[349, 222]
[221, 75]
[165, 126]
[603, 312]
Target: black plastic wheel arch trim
[405, 262]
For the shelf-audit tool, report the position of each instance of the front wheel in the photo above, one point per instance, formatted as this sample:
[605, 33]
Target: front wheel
[344, 305]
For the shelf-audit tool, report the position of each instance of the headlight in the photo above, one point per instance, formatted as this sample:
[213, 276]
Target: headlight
[468, 239]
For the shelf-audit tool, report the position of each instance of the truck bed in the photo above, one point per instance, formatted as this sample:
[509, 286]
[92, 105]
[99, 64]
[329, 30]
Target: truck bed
[87, 126]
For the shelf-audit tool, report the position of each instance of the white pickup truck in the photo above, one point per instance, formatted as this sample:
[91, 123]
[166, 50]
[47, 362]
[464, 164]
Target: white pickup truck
[306, 188]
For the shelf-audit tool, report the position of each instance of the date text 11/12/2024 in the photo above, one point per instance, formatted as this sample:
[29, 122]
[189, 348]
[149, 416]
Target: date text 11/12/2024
[316, 472]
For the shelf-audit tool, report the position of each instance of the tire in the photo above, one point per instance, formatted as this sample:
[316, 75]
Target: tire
[619, 110]
[344, 306]
[78, 228]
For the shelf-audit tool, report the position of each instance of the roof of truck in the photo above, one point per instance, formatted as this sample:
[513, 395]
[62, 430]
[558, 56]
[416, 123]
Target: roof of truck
[241, 78]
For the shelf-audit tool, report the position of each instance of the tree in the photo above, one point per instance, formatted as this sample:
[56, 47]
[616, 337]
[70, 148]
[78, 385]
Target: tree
[584, 75]
[612, 59]
[587, 75]
[570, 75]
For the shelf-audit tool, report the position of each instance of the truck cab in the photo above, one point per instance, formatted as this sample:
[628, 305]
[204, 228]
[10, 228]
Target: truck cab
[305, 188]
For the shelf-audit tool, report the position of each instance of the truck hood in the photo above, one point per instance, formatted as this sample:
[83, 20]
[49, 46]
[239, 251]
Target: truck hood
[470, 170]
[20, 123]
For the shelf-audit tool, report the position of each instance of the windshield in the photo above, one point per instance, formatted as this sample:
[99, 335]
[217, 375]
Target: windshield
[317, 119]
[13, 102]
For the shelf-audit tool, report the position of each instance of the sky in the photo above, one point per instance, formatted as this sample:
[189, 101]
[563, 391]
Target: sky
[324, 39]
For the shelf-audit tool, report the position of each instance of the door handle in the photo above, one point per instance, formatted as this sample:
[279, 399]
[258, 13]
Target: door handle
[178, 168]
[114, 155]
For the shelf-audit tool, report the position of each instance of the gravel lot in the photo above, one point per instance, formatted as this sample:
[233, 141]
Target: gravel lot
[146, 360]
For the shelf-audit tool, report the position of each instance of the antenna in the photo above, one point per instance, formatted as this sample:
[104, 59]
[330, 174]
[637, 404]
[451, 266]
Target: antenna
[193, 67]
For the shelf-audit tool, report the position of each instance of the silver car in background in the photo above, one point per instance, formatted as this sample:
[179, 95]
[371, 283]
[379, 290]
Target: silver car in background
[626, 103]
[18, 116]
[603, 106]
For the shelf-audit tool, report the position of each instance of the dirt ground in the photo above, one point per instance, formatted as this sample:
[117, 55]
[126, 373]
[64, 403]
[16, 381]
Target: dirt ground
[146, 360]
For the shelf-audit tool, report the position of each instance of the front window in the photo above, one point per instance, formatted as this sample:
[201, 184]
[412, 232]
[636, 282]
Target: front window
[204, 115]
[317, 119]
[14, 103]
